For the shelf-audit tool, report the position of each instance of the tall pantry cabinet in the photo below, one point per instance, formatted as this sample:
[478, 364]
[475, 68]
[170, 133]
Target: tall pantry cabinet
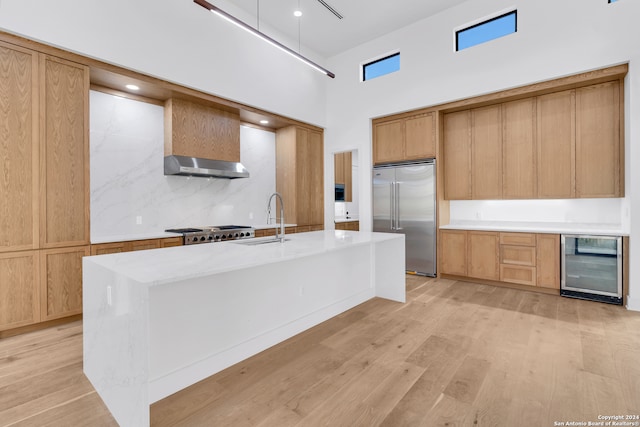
[44, 186]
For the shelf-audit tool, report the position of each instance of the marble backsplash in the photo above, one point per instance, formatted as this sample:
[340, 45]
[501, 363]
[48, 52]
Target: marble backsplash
[130, 193]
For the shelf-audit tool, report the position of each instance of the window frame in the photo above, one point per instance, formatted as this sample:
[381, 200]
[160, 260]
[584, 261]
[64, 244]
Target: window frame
[376, 60]
[483, 21]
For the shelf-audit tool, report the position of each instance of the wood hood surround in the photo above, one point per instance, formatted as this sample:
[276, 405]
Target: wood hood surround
[198, 130]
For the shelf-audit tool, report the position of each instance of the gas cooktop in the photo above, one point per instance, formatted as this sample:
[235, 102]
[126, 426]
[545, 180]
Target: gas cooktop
[214, 233]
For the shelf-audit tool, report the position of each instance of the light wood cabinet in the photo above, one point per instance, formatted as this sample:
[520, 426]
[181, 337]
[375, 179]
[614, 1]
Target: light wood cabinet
[198, 130]
[265, 232]
[343, 173]
[135, 245]
[486, 153]
[548, 261]
[420, 137]
[19, 290]
[141, 245]
[598, 146]
[61, 282]
[170, 242]
[457, 155]
[483, 258]
[64, 153]
[348, 225]
[520, 258]
[18, 149]
[453, 252]
[409, 138]
[44, 185]
[556, 145]
[299, 175]
[519, 149]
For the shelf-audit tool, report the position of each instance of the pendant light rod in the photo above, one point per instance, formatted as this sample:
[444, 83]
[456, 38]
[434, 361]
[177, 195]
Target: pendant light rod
[262, 36]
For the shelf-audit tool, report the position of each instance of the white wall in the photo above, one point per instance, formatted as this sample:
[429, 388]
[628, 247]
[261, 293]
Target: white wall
[178, 41]
[127, 175]
[554, 39]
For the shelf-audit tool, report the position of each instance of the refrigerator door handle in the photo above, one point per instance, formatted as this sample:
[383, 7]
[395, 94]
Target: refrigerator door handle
[392, 206]
[397, 196]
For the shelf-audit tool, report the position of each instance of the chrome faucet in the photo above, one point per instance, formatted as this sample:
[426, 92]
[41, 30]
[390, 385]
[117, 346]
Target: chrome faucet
[281, 236]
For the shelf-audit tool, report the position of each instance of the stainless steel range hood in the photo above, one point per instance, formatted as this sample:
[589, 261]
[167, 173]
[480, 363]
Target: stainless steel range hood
[194, 166]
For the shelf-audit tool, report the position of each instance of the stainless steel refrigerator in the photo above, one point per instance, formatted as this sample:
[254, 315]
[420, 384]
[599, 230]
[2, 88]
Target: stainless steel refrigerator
[404, 201]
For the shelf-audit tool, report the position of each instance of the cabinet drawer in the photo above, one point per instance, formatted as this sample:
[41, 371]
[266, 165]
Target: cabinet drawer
[522, 239]
[518, 274]
[518, 255]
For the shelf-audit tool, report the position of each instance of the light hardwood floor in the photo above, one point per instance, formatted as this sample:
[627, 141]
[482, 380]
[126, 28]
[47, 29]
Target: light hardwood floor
[457, 354]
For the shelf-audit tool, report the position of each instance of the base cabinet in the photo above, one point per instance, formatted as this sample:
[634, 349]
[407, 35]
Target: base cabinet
[19, 289]
[349, 225]
[453, 252]
[521, 258]
[61, 282]
[134, 245]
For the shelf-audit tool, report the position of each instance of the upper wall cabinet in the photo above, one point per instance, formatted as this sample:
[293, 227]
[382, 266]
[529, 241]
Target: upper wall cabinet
[300, 175]
[598, 148]
[457, 155]
[64, 153]
[486, 153]
[519, 149]
[410, 138]
[555, 146]
[198, 130]
[18, 148]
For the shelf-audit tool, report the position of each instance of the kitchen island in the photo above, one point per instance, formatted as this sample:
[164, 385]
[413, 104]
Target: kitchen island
[161, 320]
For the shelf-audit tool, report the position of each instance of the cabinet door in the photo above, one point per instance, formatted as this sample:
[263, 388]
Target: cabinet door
[519, 150]
[19, 292]
[483, 255]
[486, 152]
[64, 153]
[598, 169]
[453, 252]
[315, 164]
[556, 145]
[548, 261]
[61, 282]
[18, 148]
[338, 164]
[388, 142]
[170, 242]
[420, 137]
[108, 248]
[457, 155]
[348, 178]
[141, 245]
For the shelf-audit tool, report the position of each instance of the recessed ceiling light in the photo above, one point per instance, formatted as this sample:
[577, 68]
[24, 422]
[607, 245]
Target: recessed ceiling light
[264, 122]
[297, 13]
[132, 87]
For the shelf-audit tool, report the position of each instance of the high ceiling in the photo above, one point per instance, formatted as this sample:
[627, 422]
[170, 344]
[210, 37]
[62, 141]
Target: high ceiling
[327, 35]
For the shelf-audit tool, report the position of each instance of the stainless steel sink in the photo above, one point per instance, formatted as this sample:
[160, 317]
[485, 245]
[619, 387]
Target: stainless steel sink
[255, 242]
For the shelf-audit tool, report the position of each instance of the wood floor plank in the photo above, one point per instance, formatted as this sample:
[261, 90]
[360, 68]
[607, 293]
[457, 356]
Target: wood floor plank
[458, 353]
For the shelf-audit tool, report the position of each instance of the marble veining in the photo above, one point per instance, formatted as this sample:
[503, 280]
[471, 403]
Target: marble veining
[160, 320]
[127, 176]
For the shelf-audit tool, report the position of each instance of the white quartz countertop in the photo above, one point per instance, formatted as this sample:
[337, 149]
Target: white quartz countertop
[539, 227]
[158, 266]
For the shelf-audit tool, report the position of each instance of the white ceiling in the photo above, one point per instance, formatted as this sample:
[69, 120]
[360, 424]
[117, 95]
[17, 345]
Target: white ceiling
[327, 35]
